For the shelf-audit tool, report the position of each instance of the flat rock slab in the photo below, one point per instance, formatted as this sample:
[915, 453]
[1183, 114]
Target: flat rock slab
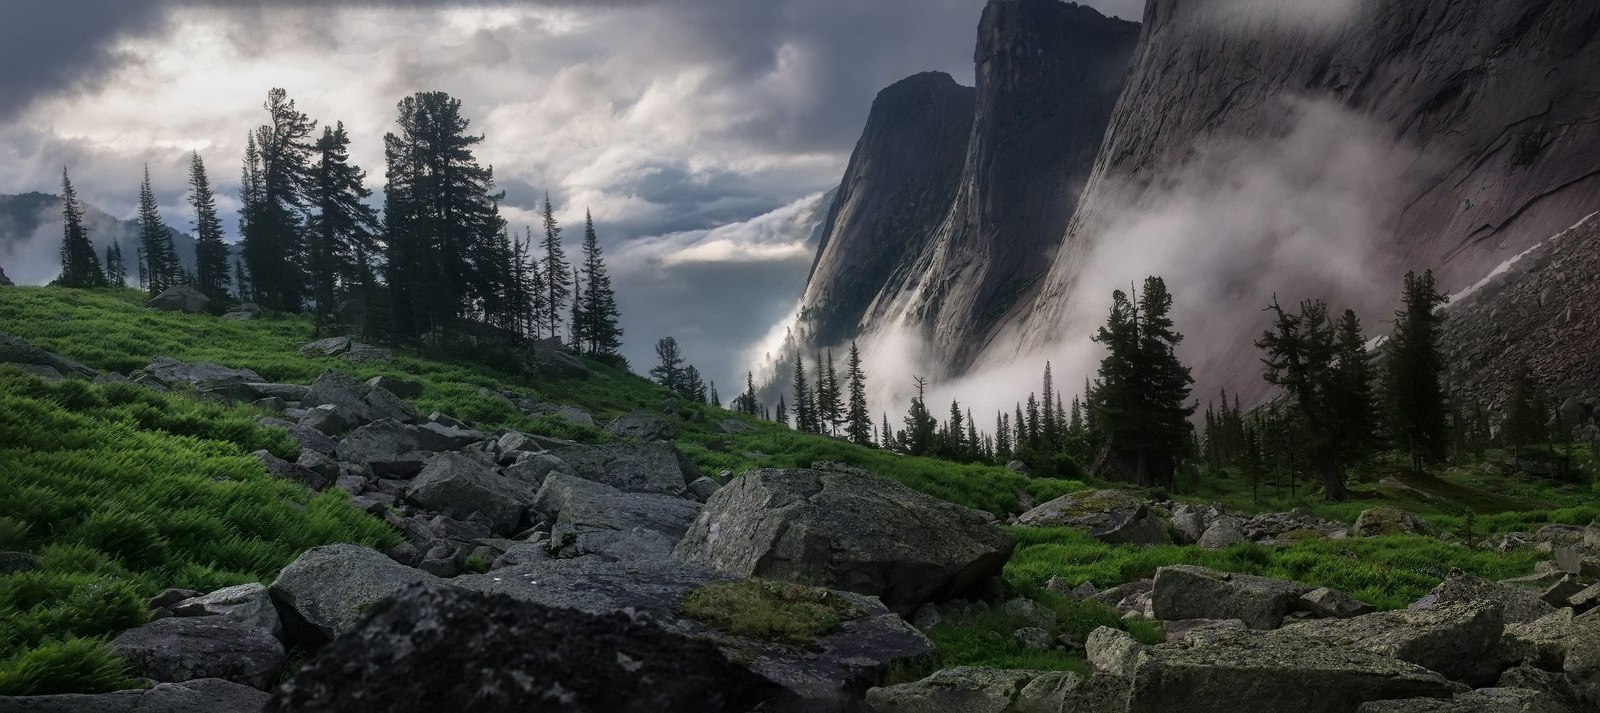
[633, 467]
[328, 589]
[180, 649]
[577, 506]
[1111, 516]
[458, 486]
[1191, 592]
[206, 695]
[1457, 640]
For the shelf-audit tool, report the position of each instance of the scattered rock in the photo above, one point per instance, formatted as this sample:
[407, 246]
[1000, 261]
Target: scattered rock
[403, 388]
[734, 426]
[439, 437]
[643, 426]
[1325, 603]
[1019, 467]
[1190, 592]
[329, 347]
[1034, 638]
[181, 298]
[1517, 605]
[1457, 640]
[702, 488]
[1387, 520]
[194, 375]
[1112, 651]
[1486, 700]
[633, 467]
[20, 352]
[324, 592]
[186, 648]
[579, 508]
[869, 534]
[205, 695]
[1226, 532]
[1111, 516]
[458, 486]
[387, 447]
[248, 604]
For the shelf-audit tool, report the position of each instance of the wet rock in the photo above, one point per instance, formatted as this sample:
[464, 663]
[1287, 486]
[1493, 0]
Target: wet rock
[642, 426]
[248, 604]
[633, 467]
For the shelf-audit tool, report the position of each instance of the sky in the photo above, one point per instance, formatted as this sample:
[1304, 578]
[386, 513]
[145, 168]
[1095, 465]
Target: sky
[703, 134]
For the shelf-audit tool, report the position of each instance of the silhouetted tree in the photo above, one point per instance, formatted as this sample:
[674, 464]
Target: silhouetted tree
[274, 197]
[1141, 400]
[1413, 371]
[668, 370]
[595, 312]
[342, 230]
[1525, 416]
[161, 268]
[921, 426]
[116, 271]
[557, 283]
[210, 252]
[80, 267]
[858, 422]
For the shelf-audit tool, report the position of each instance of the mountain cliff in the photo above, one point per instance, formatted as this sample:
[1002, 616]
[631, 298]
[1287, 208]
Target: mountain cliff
[974, 187]
[1398, 135]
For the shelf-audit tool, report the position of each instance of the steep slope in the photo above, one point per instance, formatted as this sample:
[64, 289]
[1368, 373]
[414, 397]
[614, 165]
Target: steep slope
[30, 235]
[1323, 149]
[900, 180]
[953, 250]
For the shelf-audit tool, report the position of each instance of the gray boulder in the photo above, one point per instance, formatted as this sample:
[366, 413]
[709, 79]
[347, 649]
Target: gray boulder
[703, 487]
[204, 695]
[368, 403]
[458, 486]
[404, 388]
[387, 447]
[1485, 700]
[1112, 651]
[554, 359]
[331, 346]
[1541, 644]
[181, 298]
[248, 604]
[970, 689]
[1457, 640]
[1191, 592]
[326, 591]
[1582, 662]
[1325, 603]
[1111, 516]
[864, 533]
[195, 375]
[533, 468]
[1387, 520]
[733, 426]
[643, 426]
[330, 419]
[1189, 523]
[186, 648]
[1579, 560]
[443, 649]
[1225, 532]
[633, 467]
[1517, 605]
[17, 351]
[366, 353]
[440, 437]
[580, 509]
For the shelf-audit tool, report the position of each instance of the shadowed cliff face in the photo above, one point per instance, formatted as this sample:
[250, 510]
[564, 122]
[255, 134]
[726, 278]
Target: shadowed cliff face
[1415, 134]
[953, 204]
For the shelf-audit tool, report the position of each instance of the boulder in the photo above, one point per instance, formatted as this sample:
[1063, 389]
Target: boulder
[733, 426]
[387, 447]
[1542, 644]
[865, 534]
[533, 468]
[643, 426]
[703, 487]
[1112, 651]
[312, 440]
[382, 404]
[181, 298]
[325, 591]
[404, 388]
[1485, 700]
[633, 467]
[46, 373]
[595, 585]
[195, 375]
[331, 346]
[1517, 605]
[1325, 603]
[1582, 663]
[359, 353]
[1585, 600]
[1457, 640]
[1225, 532]
[1111, 516]
[179, 649]
[248, 604]
[1255, 671]
[339, 389]
[1189, 524]
[1191, 592]
[557, 361]
[441, 649]
[1198, 629]
[330, 419]
[579, 509]
[1578, 560]
[439, 437]
[1387, 520]
[458, 486]
[1558, 592]
[204, 695]
[970, 689]
[17, 351]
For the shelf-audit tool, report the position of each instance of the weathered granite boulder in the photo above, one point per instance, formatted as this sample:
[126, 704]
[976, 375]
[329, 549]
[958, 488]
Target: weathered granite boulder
[179, 649]
[181, 298]
[17, 351]
[864, 534]
[458, 486]
[1325, 603]
[328, 347]
[587, 515]
[387, 447]
[1109, 515]
[1517, 605]
[1112, 651]
[1191, 592]
[1582, 663]
[404, 388]
[1484, 700]
[643, 426]
[1387, 520]
[969, 689]
[441, 437]
[204, 695]
[1457, 640]
[437, 649]
[330, 419]
[170, 372]
[246, 603]
[367, 403]
[1225, 532]
[633, 467]
[324, 592]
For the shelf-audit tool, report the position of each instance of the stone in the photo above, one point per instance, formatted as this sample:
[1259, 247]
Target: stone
[633, 467]
[340, 389]
[16, 562]
[271, 403]
[18, 351]
[1199, 629]
[1585, 600]
[442, 649]
[329, 347]
[1578, 560]
[179, 649]
[1111, 516]
[325, 468]
[1387, 520]
[867, 534]
[1562, 589]
[284, 470]
[1457, 640]
[1485, 700]
[181, 298]
[1019, 467]
[1252, 670]
[733, 426]
[40, 371]
[1517, 605]
[1191, 592]
[1543, 644]
[1225, 532]
[1189, 524]
[703, 487]
[965, 689]
[458, 486]
[577, 507]
[1582, 663]
[326, 590]
[403, 388]
[169, 597]
[1030, 611]
[1112, 651]
[533, 468]
[195, 375]
[556, 361]
[1325, 603]
[387, 447]
[204, 695]
[439, 437]
[1034, 638]
[642, 426]
[248, 604]
[359, 353]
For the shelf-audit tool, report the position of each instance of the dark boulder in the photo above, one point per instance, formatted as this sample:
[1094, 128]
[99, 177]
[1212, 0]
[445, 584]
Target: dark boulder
[185, 648]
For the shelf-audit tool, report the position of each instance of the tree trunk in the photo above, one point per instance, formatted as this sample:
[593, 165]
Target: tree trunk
[1333, 482]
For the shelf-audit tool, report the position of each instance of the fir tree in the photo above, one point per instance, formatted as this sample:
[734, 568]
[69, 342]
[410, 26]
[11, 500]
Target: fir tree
[783, 411]
[557, 283]
[80, 267]
[116, 270]
[921, 426]
[601, 332]
[858, 421]
[714, 398]
[886, 438]
[1353, 402]
[210, 252]
[161, 258]
[274, 204]
[804, 406]
[693, 387]
[1140, 402]
[342, 233]
[1002, 435]
[668, 370]
[1300, 352]
[1049, 434]
[828, 411]
[1524, 422]
[1413, 372]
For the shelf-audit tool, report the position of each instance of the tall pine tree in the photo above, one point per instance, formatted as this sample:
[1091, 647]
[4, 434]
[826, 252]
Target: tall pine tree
[276, 176]
[116, 270]
[80, 267]
[341, 233]
[557, 279]
[161, 268]
[597, 316]
[1141, 400]
[1413, 372]
[668, 370]
[858, 422]
[210, 252]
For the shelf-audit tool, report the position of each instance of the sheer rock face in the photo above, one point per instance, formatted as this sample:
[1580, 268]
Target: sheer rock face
[954, 195]
[1490, 103]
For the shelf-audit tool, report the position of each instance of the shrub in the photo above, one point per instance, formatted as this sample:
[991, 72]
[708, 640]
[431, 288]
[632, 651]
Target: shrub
[72, 665]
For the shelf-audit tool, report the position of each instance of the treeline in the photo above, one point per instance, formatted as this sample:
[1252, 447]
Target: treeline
[439, 261]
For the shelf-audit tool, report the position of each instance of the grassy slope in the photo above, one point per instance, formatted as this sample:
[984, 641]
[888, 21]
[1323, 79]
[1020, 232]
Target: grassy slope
[109, 330]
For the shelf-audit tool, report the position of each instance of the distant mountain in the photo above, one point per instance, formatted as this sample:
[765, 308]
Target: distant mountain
[30, 236]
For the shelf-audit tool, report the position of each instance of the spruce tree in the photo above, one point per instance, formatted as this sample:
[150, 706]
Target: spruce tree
[693, 387]
[80, 267]
[1002, 435]
[886, 439]
[342, 231]
[804, 406]
[1523, 424]
[713, 397]
[1140, 402]
[557, 281]
[828, 407]
[1300, 352]
[116, 270]
[1413, 373]
[921, 427]
[161, 259]
[210, 252]
[858, 420]
[668, 370]
[783, 411]
[274, 196]
[1353, 402]
[1049, 434]
[752, 406]
[602, 332]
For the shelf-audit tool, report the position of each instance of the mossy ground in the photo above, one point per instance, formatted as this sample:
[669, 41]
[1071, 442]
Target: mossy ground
[765, 610]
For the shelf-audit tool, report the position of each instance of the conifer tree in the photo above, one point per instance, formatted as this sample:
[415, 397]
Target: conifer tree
[1413, 373]
[975, 446]
[116, 270]
[1002, 435]
[1140, 402]
[828, 411]
[858, 421]
[557, 282]
[80, 266]
[921, 426]
[668, 370]
[342, 231]
[714, 398]
[956, 443]
[886, 439]
[693, 387]
[1353, 402]
[783, 411]
[274, 204]
[804, 406]
[600, 330]
[1524, 422]
[1300, 352]
[210, 252]
[1049, 436]
[752, 406]
[161, 259]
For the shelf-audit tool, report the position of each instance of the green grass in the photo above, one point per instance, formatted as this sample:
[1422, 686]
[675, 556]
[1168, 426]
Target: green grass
[784, 612]
[120, 492]
[984, 638]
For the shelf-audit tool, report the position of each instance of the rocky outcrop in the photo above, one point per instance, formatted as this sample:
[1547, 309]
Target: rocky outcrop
[861, 533]
[186, 648]
[632, 467]
[325, 591]
[1113, 516]
[181, 298]
[970, 689]
[206, 695]
[408, 656]
[458, 486]
[588, 517]
[1387, 520]
[1457, 640]
[1190, 592]
[21, 353]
